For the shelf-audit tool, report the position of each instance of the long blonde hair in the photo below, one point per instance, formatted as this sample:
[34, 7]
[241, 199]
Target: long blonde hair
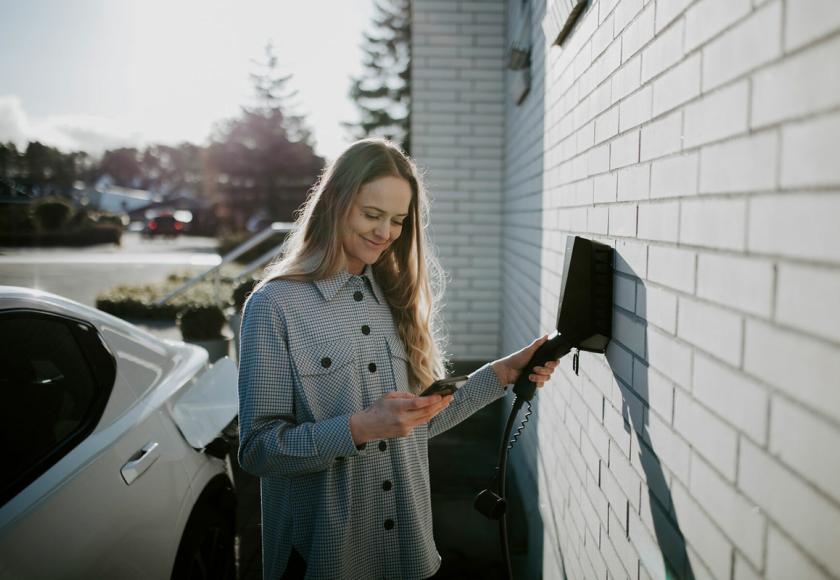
[407, 271]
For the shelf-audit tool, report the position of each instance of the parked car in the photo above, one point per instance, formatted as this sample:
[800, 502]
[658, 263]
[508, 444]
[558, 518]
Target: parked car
[115, 464]
[168, 225]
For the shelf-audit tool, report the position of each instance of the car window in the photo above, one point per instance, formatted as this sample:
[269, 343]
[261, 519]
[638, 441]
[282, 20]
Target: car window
[51, 394]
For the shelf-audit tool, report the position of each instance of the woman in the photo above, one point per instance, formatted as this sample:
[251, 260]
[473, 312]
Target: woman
[337, 341]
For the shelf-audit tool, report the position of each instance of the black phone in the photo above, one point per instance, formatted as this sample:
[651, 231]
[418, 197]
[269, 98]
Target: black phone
[445, 386]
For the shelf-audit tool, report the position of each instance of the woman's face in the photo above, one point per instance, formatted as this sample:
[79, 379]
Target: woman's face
[375, 220]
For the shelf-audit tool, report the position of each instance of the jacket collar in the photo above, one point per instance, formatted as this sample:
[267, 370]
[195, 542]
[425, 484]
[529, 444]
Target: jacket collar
[329, 287]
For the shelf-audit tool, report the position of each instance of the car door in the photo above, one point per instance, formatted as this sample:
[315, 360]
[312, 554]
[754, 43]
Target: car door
[81, 499]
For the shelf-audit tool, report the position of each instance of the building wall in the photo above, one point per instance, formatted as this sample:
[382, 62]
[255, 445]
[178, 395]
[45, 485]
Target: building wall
[457, 137]
[700, 139]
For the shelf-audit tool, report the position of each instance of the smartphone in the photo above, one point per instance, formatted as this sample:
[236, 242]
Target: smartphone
[446, 386]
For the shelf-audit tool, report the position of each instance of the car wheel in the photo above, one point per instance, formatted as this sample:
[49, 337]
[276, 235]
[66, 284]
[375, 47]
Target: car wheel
[207, 548]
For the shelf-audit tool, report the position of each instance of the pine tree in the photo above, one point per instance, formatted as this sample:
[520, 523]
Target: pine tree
[383, 92]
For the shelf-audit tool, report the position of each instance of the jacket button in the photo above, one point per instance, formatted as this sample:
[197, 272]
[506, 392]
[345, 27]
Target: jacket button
[389, 524]
[386, 485]
[357, 296]
[366, 329]
[372, 367]
[326, 362]
[361, 446]
[383, 446]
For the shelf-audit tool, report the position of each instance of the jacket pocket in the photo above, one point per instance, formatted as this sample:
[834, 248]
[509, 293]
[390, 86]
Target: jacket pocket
[329, 381]
[399, 363]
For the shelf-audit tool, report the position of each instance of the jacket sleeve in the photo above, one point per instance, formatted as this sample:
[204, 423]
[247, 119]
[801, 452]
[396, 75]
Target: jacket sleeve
[482, 388]
[271, 442]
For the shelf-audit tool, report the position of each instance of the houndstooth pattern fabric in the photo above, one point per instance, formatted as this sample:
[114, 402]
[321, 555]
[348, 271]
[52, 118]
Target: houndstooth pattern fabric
[311, 355]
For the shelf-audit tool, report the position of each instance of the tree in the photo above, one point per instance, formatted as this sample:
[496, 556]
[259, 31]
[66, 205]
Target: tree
[383, 92]
[264, 157]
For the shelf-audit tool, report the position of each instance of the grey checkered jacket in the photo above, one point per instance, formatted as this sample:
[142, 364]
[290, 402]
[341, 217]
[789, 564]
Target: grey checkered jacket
[311, 355]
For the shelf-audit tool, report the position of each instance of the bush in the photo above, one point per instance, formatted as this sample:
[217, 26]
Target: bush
[201, 322]
[140, 301]
[52, 213]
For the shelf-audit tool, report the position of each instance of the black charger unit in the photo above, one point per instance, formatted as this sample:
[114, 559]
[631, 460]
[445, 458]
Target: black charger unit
[584, 322]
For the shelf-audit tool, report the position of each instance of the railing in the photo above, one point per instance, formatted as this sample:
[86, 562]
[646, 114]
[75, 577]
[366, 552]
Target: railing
[215, 271]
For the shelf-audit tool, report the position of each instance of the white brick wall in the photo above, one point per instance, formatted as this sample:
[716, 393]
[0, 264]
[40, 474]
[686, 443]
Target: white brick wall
[458, 139]
[700, 139]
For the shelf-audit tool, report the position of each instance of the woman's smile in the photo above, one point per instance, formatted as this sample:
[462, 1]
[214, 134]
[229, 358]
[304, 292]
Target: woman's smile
[374, 245]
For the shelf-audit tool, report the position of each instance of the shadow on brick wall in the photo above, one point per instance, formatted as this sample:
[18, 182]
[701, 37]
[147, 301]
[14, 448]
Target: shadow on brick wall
[665, 555]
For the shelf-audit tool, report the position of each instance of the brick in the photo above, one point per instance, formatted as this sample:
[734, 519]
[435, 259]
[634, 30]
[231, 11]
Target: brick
[786, 561]
[674, 176]
[809, 153]
[804, 369]
[631, 258]
[742, 283]
[677, 86]
[669, 540]
[742, 570]
[629, 332]
[706, 539]
[729, 509]
[662, 137]
[807, 299]
[627, 79]
[602, 37]
[807, 20]
[753, 42]
[807, 443]
[717, 116]
[615, 567]
[659, 307]
[665, 51]
[811, 519]
[625, 11]
[666, 12]
[624, 292]
[624, 150]
[597, 220]
[606, 126]
[638, 33]
[738, 399]
[705, 19]
[648, 548]
[598, 159]
[619, 432]
[659, 221]
[714, 223]
[742, 165]
[627, 479]
[605, 187]
[797, 226]
[626, 553]
[635, 109]
[617, 499]
[713, 329]
[633, 182]
[712, 438]
[799, 85]
[669, 357]
[623, 220]
[672, 267]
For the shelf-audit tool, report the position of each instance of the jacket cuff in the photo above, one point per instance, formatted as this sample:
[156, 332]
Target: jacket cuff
[485, 385]
[333, 438]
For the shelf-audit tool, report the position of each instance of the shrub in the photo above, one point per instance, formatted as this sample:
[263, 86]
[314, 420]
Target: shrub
[52, 213]
[140, 301]
[201, 322]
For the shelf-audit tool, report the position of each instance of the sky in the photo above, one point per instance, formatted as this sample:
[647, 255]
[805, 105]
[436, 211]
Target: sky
[96, 74]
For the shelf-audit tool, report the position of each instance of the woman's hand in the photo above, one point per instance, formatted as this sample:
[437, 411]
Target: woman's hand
[395, 415]
[509, 368]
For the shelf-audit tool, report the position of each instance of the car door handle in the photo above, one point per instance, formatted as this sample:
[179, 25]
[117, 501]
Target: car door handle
[140, 462]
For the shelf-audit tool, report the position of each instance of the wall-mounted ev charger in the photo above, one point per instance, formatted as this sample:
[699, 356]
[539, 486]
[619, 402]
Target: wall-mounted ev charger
[584, 322]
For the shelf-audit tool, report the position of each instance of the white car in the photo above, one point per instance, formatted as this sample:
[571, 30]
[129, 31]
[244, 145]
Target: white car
[113, 465]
